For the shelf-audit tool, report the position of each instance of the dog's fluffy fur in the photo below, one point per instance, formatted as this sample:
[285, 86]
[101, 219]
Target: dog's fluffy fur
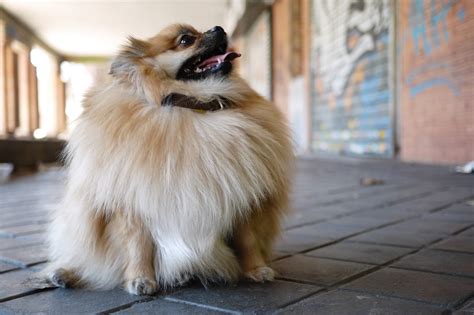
[163, 194]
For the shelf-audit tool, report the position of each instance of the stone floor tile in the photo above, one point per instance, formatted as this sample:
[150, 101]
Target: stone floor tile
[425, 226]
[461, 208]
[360, 252]
[466, 309]
[450, 216]
[27, 229]
[246, 297]
[469, 232]
[326, 230]
[315, 214]
[299, 218]
[17, 242]
[166, 307]
[387, 199]
[415, 285]
[13, 283]
[320, 271]
[362, 221]
[357, 303]
[67, 301]
[24, 256]
[439, 261]
[456, 243]
[398, 238]
[21, 215]
[277, 255]
[291, 242]
[4, 267]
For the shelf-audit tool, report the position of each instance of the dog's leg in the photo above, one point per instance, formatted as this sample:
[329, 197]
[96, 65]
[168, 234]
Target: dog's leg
[139, 275]
[251, 258]
[64, 278]
[75, 238]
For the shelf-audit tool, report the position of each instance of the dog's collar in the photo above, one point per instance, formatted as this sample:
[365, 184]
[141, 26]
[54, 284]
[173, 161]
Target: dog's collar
[181, 100]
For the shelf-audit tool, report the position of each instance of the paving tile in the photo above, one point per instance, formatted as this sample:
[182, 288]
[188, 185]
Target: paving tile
[293, 242]
[466, 309]
[24, 256]
[387, 214]
[439, 261]
[326, 230]
[303, 217]
[27, 229]
[362, 221]
[246, 297]
[469, 232]
[360, 252]
[450, 216]
[4, 267]
[389, 198]
[13, 283]
[456, 243]
[165, 307]
[315, 213]
[447, 197]
[277, 255]
[357, 303]
[16, 242]
[317, 270]
[425, 226]
[400, 238]
[67, 301]
[22, 219]
[461, 208]
[415, 285]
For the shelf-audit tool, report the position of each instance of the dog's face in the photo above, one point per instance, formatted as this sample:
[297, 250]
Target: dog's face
[179, 52]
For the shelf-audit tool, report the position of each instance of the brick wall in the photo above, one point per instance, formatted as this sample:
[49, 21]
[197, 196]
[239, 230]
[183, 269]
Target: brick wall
[436, 82]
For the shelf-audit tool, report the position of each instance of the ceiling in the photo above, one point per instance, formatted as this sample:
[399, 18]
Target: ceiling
[79, 28]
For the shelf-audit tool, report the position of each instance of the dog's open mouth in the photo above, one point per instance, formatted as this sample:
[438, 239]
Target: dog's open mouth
[206, 64]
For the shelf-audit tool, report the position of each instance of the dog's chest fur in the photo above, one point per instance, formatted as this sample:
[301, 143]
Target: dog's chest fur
[173, 163]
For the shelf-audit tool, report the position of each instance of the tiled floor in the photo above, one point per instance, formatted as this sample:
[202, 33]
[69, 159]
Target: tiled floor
[403, 247]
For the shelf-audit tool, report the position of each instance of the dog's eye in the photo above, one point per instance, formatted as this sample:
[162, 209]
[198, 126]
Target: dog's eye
[187, 40]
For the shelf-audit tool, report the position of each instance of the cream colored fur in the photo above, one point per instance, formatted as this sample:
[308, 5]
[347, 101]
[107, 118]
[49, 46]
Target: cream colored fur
[188, 178]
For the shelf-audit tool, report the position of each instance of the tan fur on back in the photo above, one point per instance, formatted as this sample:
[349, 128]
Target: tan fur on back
[188, 177]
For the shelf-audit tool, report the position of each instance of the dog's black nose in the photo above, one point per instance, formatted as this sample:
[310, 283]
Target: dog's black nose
[217, 28]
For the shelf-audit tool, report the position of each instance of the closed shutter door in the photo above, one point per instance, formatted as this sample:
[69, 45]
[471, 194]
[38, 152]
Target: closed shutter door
[350, 71]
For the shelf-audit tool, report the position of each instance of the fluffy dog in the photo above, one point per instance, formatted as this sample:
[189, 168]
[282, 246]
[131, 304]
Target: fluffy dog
[177, 170]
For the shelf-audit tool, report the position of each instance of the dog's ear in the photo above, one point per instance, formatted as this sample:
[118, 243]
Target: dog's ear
[129, 57]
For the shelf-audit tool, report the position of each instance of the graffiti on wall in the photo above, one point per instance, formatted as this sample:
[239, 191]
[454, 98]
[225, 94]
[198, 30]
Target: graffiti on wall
[336, 23]
[351, 96]
[430, 33]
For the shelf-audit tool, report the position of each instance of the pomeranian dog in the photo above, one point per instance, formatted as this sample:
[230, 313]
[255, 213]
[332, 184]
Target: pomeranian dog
[177, 170]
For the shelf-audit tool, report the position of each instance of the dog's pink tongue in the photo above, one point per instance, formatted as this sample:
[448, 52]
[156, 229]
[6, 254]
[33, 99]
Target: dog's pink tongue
[228, 56]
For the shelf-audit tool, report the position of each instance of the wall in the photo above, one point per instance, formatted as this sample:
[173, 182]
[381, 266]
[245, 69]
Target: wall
[281, 53]
[436, 63]
[256, 53]
[290, 42]
[31, 94]
[351, 86]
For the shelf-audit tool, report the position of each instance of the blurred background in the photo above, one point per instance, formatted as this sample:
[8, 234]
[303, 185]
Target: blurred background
[383, 78]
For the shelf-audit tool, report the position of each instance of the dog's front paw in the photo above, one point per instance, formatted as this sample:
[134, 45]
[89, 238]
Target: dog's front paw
[63, 278]
[141, 286]
[260, 274]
